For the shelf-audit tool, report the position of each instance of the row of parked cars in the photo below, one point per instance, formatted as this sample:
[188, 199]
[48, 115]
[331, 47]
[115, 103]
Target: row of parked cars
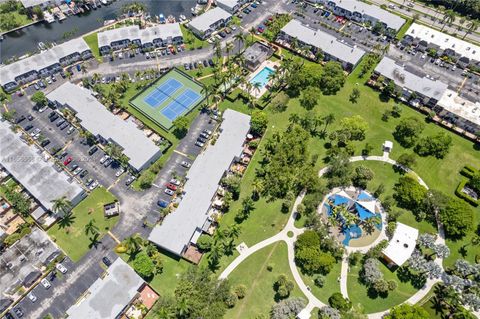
[195, 65]
[203, 138]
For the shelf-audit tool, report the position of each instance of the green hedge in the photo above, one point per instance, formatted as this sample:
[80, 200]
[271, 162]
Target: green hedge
[468, 171]
[464, 196]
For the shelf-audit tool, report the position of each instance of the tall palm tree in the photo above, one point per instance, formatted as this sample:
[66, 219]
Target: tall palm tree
[95, 77]
[164, 313]
[113, 150]
[91, 228]
[61, 206]
[234, 231]
[252, 32]
[448, 18]
[257, 187]
[240, 38]
[228, 49]
[134, 244]
[183, 308]
[206, 89]
[83, 67]
[471, 27]
[328, 119]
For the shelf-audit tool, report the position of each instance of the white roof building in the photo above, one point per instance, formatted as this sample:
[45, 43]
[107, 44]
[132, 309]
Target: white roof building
[31, 168]
[444, 41]
[96, 119]
[108, 296]
[161, 31]
[184, 225]
[330, 45]
[402, 244]
[230, 5]
[466, 110]
[204, 22]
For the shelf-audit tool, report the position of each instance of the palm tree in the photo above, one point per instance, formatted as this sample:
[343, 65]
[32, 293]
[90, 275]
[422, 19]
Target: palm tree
[369, 224]
[61, 206]
[95, 77]
[257, 86]
[134, 244]
[214, 256]
[183, 308]
[240, 38]
[228, 49]
[471, 27]
[257, 187]
[448, 18]
[83, 67]
[252, 32]
[91, 228]
[113, 150]
[328, 119]
[164, 313]
[234, 231]
[206, 89]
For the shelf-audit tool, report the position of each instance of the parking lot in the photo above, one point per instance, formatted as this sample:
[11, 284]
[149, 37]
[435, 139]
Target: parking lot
[421, 64]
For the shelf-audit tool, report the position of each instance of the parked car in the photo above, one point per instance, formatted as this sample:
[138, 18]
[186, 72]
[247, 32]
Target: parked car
[18, 311]
[104, 158]
[45, 142]
[186, 66]
[36, 86]
[54, 117]
[202, 139]
[199, 144]
[175, 182]
[60, 122]
[210, 62]
[32, 297]
[20, 119]
[70, 130]
[68, 161]
[30, 117]
[119, 172]
[28, 127]
[186, 164]
[64, 126]
[130, 180]
[108, 162]
[93, 185]
[207, 132]
[45, 283]
[83, 173]
[74, 167]
[169, 192]
[162, 203]
[92, 150]
[61, 268]
[77, 170]
[171, 186]
[89, 181]
[106, 261]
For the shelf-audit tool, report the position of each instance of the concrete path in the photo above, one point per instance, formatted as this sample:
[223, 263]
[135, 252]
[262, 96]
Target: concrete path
[313, 301]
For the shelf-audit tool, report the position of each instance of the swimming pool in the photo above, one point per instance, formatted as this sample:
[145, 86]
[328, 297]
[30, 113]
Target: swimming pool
[262, 77]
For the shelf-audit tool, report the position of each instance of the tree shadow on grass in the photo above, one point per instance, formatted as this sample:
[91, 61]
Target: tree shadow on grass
[94, 241]
[67, 221]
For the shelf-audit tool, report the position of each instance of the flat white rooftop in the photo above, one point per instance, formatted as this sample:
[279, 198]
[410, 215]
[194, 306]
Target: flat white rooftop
[41, 60]
[228, 3]
[322, 40]
[402, 244]
[444, 41]
[95, 118]
[108, 296]
[205, 20]
[391, 20]
[28, 166]
[161, 31]
[178, 228]
[423, 85]
[32, 3]
[461, 107]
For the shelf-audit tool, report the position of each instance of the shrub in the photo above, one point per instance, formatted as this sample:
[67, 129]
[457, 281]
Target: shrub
[205, 242]
[231, 300]
[319, 281]
[240, 291]
[143, 265]
[120, 249]
[355, 258]
[338, 302]
[464, 196]
[392, 285]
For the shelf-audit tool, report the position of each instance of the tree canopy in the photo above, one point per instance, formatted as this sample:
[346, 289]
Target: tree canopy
[332, 79]
[409, 193]
[258, 122]
[408, 131]
[407, 311]
[457, 218]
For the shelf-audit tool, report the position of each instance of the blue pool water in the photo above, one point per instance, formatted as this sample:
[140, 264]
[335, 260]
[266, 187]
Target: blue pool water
[262, 77]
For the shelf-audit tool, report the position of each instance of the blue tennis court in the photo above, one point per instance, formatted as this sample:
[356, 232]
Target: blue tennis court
[181, 104]
[161, 94]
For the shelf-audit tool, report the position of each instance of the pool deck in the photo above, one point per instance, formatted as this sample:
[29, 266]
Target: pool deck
[269, 64]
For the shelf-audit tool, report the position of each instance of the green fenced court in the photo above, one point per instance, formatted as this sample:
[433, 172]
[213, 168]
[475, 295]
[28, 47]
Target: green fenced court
[173, 95]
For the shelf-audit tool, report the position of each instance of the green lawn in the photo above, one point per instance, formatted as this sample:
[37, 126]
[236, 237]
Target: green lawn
[358, 293]
[191, 41]
[331, 285]
[21, 19]
[92, 41]
[253, 273]
[71, 237]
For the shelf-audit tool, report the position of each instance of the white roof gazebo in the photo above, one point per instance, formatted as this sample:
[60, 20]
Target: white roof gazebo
[388, 146]
[402, 245]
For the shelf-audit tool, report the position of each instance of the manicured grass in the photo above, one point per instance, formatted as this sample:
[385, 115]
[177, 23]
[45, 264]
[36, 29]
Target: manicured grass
[358, 293]
[22, 19]
[259, 281]
[72, 238]
[404, 29]
[191, 41]
[92, 41]
[331, 285]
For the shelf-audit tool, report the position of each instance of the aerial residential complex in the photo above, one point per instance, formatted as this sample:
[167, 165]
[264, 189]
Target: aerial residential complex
[157, 36]
[96, 119]
[43, 64]
[231, 6]
[31, 167]
[207, 23]
[319, 41]
[183, 226]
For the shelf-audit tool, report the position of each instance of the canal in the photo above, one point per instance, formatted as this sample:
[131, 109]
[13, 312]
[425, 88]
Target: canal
[16, 44]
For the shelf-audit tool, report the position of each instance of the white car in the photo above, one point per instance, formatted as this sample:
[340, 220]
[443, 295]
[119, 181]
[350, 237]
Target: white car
[119, 172]
[186, 164]
[169, 192]
[45, 283]
[103, 159]
[61, 268]
[77, 171]
[93, 186]
[175, 182]
[32, 297]
[42, 109]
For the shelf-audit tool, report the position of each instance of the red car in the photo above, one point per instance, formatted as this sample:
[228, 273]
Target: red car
[171, 186]
[260, 29]
[67, 161]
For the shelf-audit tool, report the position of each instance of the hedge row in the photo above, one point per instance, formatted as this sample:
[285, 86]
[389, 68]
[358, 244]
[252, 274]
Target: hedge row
[464, 196]
[468, 171]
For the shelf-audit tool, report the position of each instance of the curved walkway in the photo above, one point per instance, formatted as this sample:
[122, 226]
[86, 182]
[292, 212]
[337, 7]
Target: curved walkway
[313, 301]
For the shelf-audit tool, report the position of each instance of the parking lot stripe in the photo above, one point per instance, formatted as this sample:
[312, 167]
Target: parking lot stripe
[183, 154]
[114, 237]
[462, 84]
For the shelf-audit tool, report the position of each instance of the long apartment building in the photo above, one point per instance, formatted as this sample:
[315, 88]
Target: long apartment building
[107, 127]
[157, 36]
[420, 89]
[43, 64]
[184, 226]
[205, 24]
[333, 49]
[231, 6]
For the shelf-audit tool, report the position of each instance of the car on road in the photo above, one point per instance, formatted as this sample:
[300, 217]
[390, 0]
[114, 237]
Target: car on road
[32, 297]
[45, 283]
[93, 185]
[199, 144]
[162, 203]
[61, 268]
[106, 261]
[175, 182]
[92, 150]
[169, 192]
[129, 180]
[171, 186]
[104, 159]
[186, 164]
